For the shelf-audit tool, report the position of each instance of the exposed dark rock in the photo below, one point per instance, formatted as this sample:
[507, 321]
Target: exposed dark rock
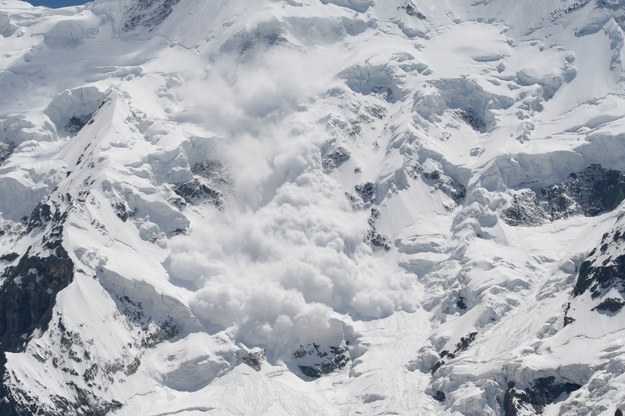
[164, 331]
[254, 359]
[567, 319]
[436, 366]
[91, 373]
[317, 361]
[601, 271]
[8, 406]
[367, 193]
[122, 211]
[9, 257]
[465, 342]
[450, 187]
[376, 239]
[87, 404]
[28, 296]
[41, 215]
[6, 149]
[148, 13]
[411, 10]
[610, 305]
[463, 345]
[375, 215]
[262, 36]
[543, 391]
[440, 396]
[27, 299]
[473, 119]
[333, 156]
[76, 123]
[133, 366]
[196, 191]
[153, 335]
[618, 412]
[590, 192]
[26, 302]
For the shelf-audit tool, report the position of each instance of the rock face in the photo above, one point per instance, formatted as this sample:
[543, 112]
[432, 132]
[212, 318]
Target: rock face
[463, 345]
[590, 192]
[321, 360]
[148, 13]
[543, 391]
[603, 272]
[28, 294]
[195, 192]
[29, 288]
[333, 156]
[367, 193]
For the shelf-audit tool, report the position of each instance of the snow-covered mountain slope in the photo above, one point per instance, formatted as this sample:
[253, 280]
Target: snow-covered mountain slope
[312, 207]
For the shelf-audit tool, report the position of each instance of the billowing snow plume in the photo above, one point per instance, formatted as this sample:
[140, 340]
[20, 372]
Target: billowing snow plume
[312, 207]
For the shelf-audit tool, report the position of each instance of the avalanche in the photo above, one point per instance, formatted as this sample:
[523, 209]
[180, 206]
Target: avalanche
[312, 207]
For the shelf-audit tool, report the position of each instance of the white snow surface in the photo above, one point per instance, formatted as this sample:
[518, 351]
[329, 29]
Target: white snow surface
[450, 107]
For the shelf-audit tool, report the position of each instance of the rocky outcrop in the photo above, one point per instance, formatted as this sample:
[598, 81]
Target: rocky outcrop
[196, 192]
[29, 292]
[412, 10]
[604, 271]
[333, 156]
[541, 392]
[590, 192]
[463, 345]
[315, 361]
[27, 297]
[148, 13]
[375, 238]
